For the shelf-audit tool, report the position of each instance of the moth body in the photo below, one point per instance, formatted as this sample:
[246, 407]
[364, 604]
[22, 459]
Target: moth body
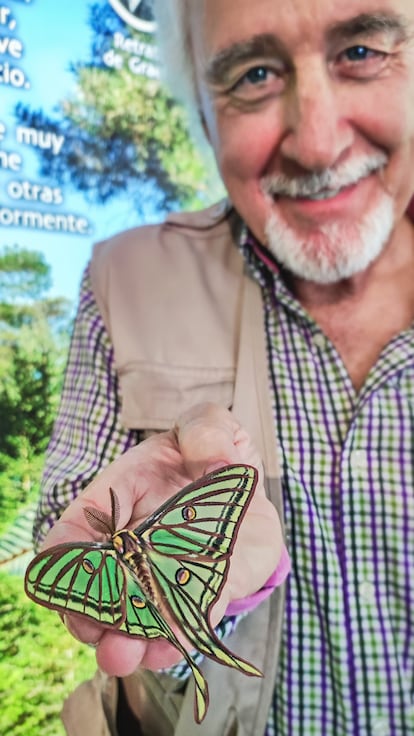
[133, 554]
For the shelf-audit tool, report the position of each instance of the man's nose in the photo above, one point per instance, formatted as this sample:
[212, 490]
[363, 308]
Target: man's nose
[318, 132]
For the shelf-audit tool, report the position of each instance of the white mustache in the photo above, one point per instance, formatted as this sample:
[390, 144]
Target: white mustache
[314, 183]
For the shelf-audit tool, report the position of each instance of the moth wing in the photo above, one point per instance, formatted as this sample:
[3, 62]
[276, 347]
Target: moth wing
[79, 578]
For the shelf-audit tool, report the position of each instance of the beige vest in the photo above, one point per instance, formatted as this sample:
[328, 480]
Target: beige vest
[186, 324]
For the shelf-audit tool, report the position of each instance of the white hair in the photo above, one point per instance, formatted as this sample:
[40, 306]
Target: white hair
[176, 54]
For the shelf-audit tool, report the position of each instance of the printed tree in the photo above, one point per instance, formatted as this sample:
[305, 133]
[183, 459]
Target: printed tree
[123, 132]
[33, 341]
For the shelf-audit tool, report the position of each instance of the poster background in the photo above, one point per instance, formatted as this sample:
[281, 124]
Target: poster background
[48, 50]
[41, 40]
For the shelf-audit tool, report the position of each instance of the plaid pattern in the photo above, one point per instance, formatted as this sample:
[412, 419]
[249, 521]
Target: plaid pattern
[347, 665]
[347, 661]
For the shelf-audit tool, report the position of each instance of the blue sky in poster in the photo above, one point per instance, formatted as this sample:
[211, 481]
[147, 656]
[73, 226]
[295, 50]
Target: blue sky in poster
[53, 35]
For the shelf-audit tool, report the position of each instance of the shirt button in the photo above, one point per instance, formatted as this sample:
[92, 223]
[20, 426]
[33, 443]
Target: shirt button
[380, 727]
[359, 460]
[367, 591]
[319, 341]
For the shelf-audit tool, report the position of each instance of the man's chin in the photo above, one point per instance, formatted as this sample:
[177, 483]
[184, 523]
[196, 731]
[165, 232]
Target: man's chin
[323, 273]
[333, 252]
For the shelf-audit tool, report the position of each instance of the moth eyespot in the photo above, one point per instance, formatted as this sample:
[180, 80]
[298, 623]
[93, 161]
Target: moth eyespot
[189, 513]
[137, 602]
[182, 576]
[88, 566]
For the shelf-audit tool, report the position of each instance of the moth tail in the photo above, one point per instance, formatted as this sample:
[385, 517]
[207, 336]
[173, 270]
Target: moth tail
[225, 656]
[207, 642]
[244, 666]
[201, 696]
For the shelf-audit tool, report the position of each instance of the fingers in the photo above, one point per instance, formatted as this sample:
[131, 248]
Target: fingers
[120, 655]
[116, 654]
[204, 438]
[73, 524]
[82, 628]
[131, 476]
[209, 437]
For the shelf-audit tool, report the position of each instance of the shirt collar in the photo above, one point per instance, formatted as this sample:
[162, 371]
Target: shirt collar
[263, 267]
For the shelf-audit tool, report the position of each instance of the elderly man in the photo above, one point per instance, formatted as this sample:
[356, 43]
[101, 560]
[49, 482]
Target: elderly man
[293, 305]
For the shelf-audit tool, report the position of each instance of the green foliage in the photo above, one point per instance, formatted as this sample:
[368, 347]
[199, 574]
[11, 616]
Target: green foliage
[34, 333]
[26, 401]
[112, 104]
[25, 279]
[19, 488]
[24, 273]
[33, 340]
[16, 547]
[40, 664]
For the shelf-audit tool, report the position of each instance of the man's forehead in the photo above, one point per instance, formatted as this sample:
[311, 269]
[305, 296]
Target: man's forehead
[217, 8]
[223, 20]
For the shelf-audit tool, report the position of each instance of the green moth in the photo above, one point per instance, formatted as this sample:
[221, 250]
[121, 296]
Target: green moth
[176, 562]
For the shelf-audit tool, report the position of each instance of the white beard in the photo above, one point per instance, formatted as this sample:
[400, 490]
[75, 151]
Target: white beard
[334, 251]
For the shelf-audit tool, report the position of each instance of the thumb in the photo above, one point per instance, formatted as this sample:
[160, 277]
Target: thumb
[207, 436]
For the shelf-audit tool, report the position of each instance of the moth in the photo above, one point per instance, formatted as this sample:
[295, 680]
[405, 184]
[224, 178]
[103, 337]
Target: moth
[172, 566]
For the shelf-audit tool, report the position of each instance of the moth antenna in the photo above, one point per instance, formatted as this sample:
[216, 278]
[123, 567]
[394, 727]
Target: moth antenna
[98, 520]
[115, 509]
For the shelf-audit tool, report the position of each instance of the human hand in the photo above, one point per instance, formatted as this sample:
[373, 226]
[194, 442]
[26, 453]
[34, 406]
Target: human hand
[204, 439]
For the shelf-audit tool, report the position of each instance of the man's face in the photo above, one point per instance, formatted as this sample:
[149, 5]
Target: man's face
[309, 106]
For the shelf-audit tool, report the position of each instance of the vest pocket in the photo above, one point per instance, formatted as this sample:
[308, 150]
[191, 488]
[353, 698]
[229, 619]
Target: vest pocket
[153, 396]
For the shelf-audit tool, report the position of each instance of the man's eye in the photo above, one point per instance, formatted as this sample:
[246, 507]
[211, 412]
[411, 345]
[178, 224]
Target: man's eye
[361, 62]
[359, 53]
[257, 75]
[257, 84]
